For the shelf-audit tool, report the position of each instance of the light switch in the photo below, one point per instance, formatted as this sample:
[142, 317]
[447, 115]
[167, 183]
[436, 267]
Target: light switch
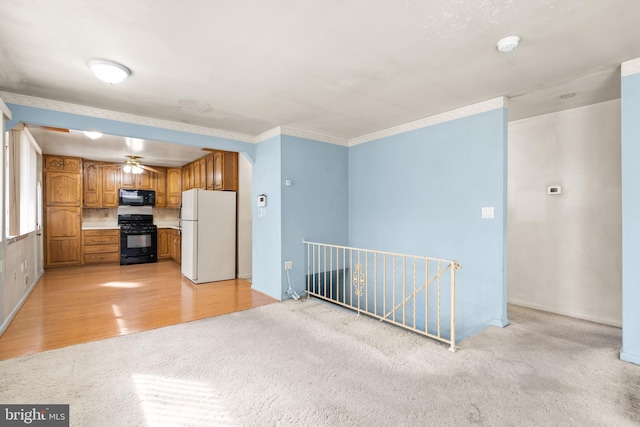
[487, 212]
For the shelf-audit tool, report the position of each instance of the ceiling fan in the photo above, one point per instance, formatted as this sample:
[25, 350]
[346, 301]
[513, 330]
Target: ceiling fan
[133, 165]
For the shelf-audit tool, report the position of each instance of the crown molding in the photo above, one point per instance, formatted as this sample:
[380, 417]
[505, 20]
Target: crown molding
[299, 133]
[268, 134]
[65, 107]
[481, 107]
[4, 109]
[470, 110]
[630, 67]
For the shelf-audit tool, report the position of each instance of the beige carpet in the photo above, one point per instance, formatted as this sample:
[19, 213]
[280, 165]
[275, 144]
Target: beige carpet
[310, 363]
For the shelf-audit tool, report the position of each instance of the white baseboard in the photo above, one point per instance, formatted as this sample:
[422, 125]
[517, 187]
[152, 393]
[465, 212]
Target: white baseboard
[18, 306]
[246, 277]
[582, 316]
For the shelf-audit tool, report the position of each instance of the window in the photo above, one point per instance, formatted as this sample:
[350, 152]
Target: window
[22, 153]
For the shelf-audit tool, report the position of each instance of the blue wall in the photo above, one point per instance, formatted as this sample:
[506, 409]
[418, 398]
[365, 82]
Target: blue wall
[316, 205]
[421, 193]
[631, 218]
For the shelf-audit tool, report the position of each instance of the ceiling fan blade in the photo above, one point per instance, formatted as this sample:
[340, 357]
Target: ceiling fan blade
[213, 150]
[151, 169]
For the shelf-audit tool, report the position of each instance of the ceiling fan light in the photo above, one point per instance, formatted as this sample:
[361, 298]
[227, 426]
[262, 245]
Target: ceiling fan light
[92, 134]
[126, 168]
[108, 71]
[136, 170]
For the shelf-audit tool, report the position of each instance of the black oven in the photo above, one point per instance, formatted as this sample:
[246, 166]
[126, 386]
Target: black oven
[138, 239]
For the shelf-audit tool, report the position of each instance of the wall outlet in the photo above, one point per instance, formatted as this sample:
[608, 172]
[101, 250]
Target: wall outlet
[22, 267]
[288, 265]
[487, 212]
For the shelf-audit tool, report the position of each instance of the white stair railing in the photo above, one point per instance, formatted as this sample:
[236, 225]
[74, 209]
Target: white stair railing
[415, 292]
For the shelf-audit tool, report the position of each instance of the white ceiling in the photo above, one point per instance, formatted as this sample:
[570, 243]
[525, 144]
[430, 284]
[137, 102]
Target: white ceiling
[339, 68]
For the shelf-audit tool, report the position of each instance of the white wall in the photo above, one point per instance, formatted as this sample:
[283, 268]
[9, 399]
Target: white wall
[565, 250]
[245, 172]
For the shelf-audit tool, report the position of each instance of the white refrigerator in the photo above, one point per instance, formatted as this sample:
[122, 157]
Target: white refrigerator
[208, 235]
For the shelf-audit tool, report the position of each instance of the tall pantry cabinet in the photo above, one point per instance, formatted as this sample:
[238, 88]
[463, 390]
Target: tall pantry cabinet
[63, 210]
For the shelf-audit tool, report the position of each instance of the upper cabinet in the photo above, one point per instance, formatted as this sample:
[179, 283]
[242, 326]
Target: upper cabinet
[63, 181]
[140, 181]
[60, 163]
[92, 184]
[159, 184]
[110, 185]
[216, 171]
[174, 187]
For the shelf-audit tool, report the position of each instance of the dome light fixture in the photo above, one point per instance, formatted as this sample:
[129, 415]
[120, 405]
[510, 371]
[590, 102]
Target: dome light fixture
[108, 71]
[92, 134]
[508, 44]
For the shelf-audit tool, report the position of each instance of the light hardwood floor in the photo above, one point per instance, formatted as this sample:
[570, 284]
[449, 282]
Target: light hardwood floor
[80, 304]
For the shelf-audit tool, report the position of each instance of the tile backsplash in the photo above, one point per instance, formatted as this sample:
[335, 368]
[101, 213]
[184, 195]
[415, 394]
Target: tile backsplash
[100, 215]
[160, 215]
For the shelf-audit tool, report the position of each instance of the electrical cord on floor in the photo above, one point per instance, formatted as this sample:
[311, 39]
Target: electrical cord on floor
[293, 294]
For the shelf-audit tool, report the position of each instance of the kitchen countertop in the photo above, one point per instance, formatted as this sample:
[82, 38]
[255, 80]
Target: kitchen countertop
[100, 226]
[115, 226]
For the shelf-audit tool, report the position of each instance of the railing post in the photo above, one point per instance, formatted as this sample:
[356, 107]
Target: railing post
[454, 266]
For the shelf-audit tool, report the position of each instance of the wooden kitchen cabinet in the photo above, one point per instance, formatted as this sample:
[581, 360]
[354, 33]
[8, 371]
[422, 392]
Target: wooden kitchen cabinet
[209, 171]
[202, 169]
[110, 185]
[159, 184]
[62, 236]
[62, 163]
[176, 246]
[195, 170]
[164, 243]
[187, 174]
[230, 171]
[218, 162]
[91, 184]
[138, 181]
[62, 201]
[174, 187]
[101, 246]
[62, 188]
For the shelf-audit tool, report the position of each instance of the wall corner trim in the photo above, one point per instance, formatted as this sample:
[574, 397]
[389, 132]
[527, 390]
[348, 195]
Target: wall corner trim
[4, 109]
[470, 110]
[65, 107]
[630, 67]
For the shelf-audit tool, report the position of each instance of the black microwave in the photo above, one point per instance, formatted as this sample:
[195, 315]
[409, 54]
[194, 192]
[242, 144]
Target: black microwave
[136, 197]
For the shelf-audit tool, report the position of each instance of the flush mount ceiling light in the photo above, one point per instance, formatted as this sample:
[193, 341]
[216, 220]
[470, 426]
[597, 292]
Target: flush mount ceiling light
[508, 44]
[92, 134]
[108, 71]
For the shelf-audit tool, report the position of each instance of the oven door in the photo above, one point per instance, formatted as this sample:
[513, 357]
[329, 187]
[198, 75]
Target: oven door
[138, 246]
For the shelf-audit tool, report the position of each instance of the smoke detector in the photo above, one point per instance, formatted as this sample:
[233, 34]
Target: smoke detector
[508, 44]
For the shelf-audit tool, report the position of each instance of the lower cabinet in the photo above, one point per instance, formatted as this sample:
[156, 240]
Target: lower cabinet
[101, 246]
[176, 246]
[169, 244]
[62, 236]
[164, 243]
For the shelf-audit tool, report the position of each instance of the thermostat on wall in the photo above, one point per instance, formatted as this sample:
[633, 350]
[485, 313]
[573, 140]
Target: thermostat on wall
[554, 189]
